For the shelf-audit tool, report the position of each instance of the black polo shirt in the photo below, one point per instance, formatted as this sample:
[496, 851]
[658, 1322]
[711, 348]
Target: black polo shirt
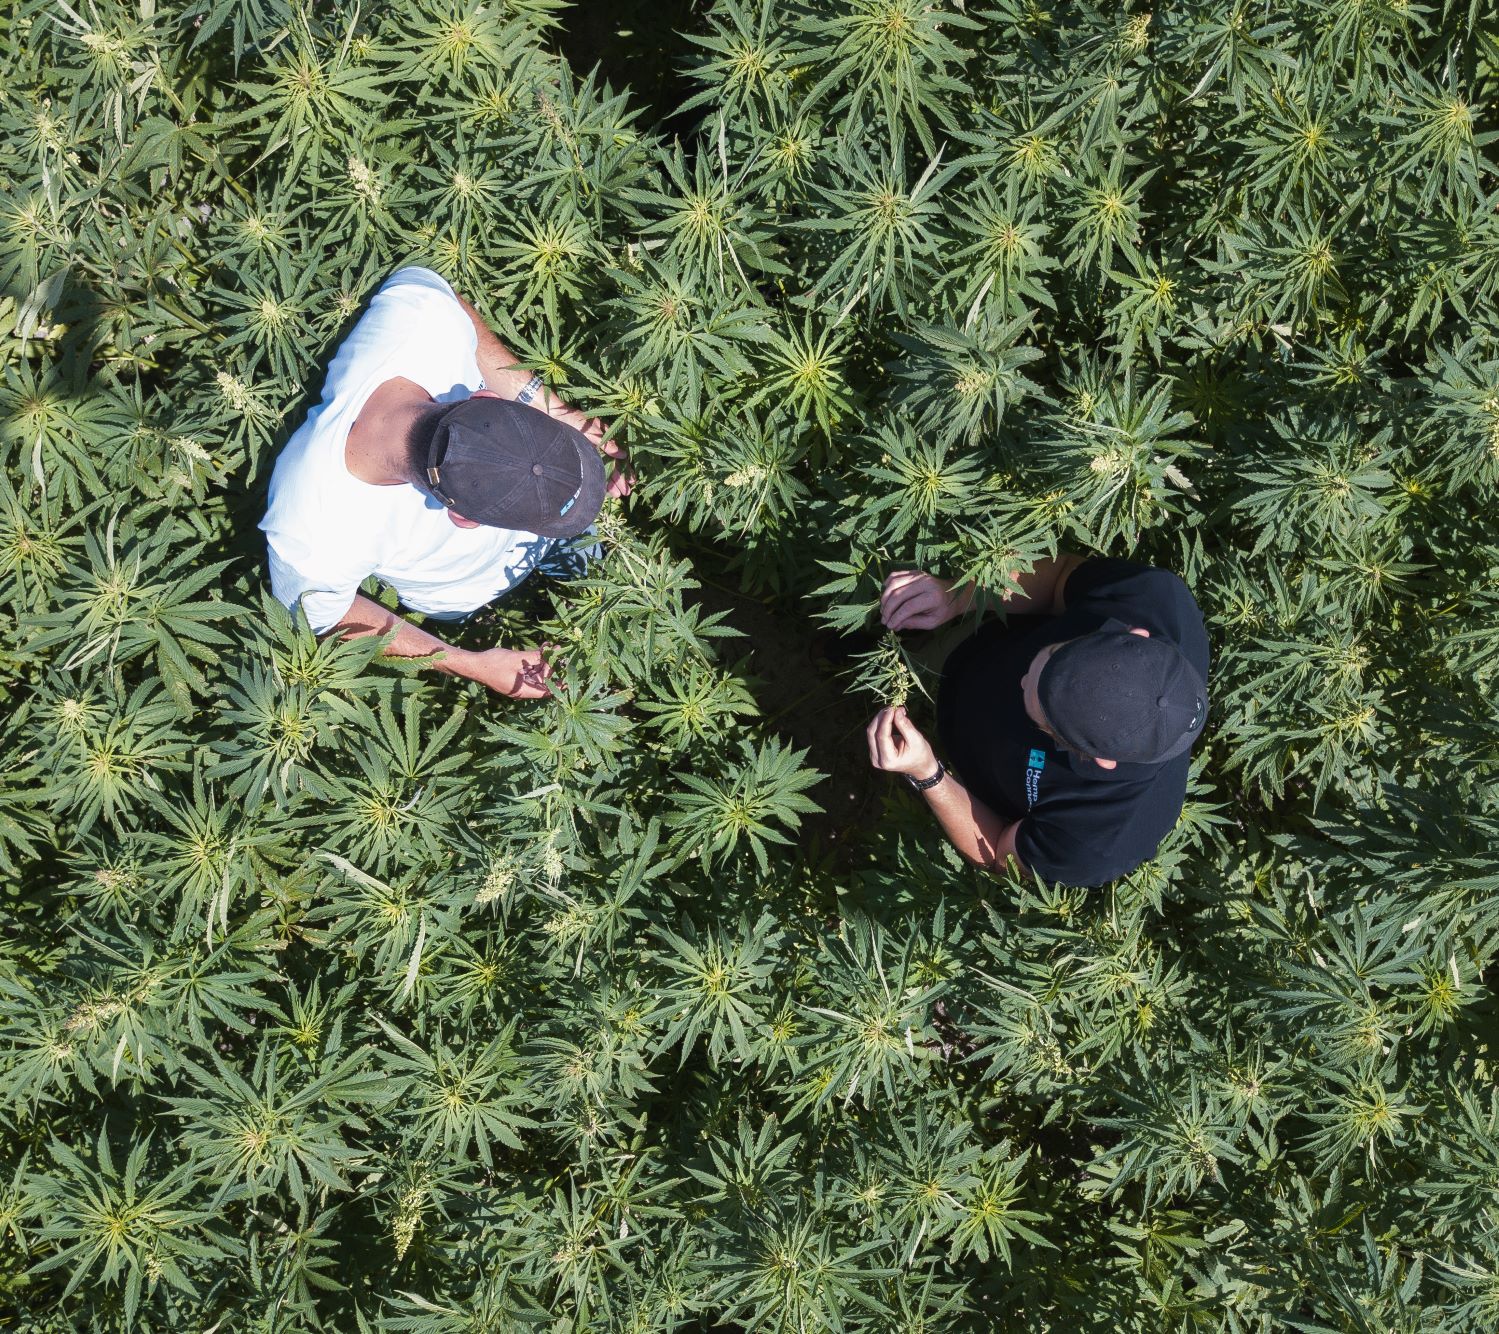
[1079, 824]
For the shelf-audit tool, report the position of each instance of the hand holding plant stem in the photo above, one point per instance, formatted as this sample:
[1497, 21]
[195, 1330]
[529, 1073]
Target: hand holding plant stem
[521, 674]
[916, 600]
[897, 746]
[592, 427]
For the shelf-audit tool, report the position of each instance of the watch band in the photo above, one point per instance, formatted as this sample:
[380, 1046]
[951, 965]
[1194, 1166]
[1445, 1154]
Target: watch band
[533, 387]
[922, 784]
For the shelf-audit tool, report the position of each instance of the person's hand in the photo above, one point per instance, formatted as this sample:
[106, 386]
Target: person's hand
[897, 747]
[509, 671]
[592, 427]
[915, 600]
[623, 476]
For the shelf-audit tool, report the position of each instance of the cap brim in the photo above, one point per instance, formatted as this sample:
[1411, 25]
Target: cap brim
[590, 498]
[1183, 743]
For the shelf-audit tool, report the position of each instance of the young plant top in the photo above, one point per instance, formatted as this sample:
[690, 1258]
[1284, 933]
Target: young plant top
[340, 995]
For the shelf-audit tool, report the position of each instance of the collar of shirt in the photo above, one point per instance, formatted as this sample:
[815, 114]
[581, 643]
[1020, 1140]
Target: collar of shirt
[1087, 769]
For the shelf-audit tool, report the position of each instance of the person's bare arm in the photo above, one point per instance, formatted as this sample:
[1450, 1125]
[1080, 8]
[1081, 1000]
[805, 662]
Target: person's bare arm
[505, 376]
[971, 827]
[916, 600]
[897, 746]
[521, 675]
[500, 367]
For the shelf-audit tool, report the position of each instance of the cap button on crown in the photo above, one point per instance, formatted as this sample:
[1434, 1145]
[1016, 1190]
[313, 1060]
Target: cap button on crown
[536, 470]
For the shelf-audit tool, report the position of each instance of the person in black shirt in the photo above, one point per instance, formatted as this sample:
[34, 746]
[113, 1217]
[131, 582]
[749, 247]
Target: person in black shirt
[1071, 723]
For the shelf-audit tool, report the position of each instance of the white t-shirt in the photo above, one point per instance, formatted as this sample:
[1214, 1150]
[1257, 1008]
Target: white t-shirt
[328, 531]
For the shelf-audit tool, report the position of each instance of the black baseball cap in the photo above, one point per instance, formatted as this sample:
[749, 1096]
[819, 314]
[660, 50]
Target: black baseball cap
[1122, 696]
[507, 465]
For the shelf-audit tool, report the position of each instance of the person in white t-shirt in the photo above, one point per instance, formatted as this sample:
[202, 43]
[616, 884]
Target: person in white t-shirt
[421, 467]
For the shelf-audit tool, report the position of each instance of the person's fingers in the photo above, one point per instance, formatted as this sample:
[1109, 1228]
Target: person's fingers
[892, 591]
[880, 749]
[900, 608]
[926, 619]
[900, 730]
[885, 741]
[922, 600]
[914, 741]
[923, 585]
[536, 662]
[897, 580]
[621, 481]
[526, 685]
[891, 603]
[534, 683]
[909, 729]
[577, 419]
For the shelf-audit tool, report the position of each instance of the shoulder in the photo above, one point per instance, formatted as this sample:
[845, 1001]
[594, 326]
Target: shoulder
[414, 298]
[1109, 578]
[410, 312]
[414, 283]
[1146, 595]
[310, 533]
[414, 275]
[415, 327]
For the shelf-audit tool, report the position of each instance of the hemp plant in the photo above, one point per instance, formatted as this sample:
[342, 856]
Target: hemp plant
[340, 995]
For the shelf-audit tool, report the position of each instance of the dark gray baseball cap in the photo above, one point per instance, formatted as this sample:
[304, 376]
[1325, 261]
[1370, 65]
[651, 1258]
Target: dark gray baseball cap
[1123, 697]
[507, 465]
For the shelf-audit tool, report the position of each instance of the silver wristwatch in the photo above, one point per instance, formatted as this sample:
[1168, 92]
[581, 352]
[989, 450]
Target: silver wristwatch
[534, 386]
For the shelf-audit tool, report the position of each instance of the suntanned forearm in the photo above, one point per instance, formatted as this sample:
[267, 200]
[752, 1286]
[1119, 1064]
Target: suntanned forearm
[971, 827]
[497, 363]
[368, 617]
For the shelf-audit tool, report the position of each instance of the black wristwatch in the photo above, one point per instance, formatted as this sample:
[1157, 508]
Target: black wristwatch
[921, 784]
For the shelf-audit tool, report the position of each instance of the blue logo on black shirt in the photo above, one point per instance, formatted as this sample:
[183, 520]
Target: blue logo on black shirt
[1034, 765]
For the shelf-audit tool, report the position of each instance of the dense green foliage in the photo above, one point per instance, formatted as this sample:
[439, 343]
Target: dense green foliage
[338, 995]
